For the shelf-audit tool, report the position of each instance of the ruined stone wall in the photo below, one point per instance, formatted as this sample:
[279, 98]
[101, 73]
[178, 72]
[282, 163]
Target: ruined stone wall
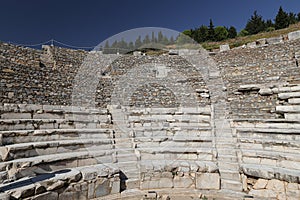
[246, 71]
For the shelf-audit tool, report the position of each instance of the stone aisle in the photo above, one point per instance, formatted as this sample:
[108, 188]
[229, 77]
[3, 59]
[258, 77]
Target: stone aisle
[225, 142]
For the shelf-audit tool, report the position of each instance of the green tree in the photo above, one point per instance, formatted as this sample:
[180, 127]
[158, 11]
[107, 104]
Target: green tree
[211, 31]
[221, 33]
[188, 32]
[281, 19]
[255, 24]
[201, 34]
[243, 33]
[292, 18]
[298, 17]
[269, 23]
[232, 33]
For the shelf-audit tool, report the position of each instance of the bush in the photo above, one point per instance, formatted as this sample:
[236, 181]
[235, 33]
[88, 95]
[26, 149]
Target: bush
[270, 29]
[243, 33]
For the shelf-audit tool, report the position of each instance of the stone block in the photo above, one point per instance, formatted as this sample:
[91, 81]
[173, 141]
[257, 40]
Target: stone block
[224, 47]
[182, 182]
[293, 194]
[260, 184]
[208, 181]
[102, 188]
[263, 193]
[251, 45]
[275, 185]
[274, 40]
[294, 35]
[46, 196]
[165, 183]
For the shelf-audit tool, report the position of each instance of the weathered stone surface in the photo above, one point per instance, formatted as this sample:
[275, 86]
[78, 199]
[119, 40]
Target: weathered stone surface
[224, 47]
[182, 182]
[209, 181]
[263, 193]
[260, 184]
[294, 35]
[46, 196]
[275, 185]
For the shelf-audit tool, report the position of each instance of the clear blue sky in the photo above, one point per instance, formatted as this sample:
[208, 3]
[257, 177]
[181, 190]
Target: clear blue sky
[88, 22]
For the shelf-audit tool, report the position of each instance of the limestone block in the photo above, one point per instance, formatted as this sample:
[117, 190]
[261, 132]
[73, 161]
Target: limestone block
[251, 45]
[58, 184]
[244, 182]
[224, 47]
[4, 196]
[46, 196]
[291, 186]
[91, 190]
[289, 109]
[102, 188]
[293, 194]
[294, 101]
[132, 184]
[165, 183]
[149, 184]
[260, 184]
[263, 193]
[274, 40]
[209, 181]
[261, 41]
[182, 182]
[294, 35]
[275, 185]
[292, 117]
[288, 95]
[249, 87]
[23, 192]
[265, 91]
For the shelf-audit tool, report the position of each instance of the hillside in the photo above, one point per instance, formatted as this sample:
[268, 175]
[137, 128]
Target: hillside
[239, 41]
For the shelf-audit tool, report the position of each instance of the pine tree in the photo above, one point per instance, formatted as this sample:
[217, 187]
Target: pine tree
[211, 31]
[232, 33]
[201, 34]
[292, 18]
[255, 24]
[282, 19]
[298, 17]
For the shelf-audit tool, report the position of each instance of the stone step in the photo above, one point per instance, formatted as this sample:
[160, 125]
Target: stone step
[231, 185]
[24, 136]
[228, 166]
[126, 157]
[271, 172]
[31, 166]
[227, 158]
[25, 150]
[68, 176]
[276, 155]
[34, 124]
[230, 175]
